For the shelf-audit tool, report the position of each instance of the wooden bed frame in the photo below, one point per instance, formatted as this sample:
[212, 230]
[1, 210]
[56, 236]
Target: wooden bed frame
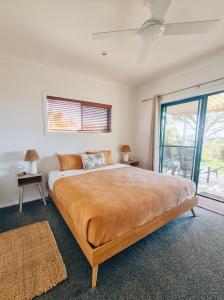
[98, 255]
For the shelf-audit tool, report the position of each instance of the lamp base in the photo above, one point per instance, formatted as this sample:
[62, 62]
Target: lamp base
[33, 168]
[125, 157]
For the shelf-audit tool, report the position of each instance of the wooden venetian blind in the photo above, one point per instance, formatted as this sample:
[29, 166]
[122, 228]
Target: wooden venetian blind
[75, 115]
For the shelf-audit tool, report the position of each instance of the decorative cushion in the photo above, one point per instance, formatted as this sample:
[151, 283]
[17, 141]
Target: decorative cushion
[93, 161]
[70, 162]
[107, 155]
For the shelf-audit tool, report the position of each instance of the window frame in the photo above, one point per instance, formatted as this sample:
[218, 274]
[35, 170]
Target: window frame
[47, 96]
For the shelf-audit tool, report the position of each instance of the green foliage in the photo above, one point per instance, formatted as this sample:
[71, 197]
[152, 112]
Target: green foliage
[222, 154]
[172, 136]
[213, 150]
[215, 164]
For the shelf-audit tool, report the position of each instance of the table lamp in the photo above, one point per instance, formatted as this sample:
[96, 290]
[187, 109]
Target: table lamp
[32, 156]
[125, 149]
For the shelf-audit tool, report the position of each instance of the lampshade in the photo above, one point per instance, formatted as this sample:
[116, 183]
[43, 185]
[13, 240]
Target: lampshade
[125, 148]
[31, 155]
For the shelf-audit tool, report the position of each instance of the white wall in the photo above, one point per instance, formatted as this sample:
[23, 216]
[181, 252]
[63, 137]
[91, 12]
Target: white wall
[22, 126]
[211, 69]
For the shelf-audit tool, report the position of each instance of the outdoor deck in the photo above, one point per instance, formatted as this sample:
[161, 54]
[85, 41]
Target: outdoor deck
[215, 186]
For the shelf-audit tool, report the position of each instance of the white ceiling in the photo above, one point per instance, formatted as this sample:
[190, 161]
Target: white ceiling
[58, 32]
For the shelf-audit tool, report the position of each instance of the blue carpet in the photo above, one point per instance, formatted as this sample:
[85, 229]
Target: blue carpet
[183, 260]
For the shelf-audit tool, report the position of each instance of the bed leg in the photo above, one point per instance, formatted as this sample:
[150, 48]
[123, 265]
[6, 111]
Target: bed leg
[193, 212]
[94, 276]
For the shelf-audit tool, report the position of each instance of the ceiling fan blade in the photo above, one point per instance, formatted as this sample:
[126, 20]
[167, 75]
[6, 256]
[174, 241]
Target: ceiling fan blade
[159, 9]
[116, 33]
[144, 51]
[198, 27]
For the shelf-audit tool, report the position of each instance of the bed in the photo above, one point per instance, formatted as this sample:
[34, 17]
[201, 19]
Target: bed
[110, 208]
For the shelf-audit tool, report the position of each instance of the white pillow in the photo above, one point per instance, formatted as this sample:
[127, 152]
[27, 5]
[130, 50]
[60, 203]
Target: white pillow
[93, 161]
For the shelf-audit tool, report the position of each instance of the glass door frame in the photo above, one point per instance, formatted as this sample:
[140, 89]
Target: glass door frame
[202, 109]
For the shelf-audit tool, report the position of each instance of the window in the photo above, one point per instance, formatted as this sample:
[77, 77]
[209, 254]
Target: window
[66, 115]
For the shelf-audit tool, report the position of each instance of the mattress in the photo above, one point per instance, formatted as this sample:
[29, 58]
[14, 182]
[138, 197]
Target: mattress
[56, 174]
[109, 202]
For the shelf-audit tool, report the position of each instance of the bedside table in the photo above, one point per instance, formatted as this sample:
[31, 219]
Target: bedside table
[133, 163]
[29, 180]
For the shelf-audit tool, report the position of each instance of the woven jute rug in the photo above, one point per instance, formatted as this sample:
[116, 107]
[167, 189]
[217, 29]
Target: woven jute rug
[30, 262]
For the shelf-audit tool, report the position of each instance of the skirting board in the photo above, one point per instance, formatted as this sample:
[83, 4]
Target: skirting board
[9, 204]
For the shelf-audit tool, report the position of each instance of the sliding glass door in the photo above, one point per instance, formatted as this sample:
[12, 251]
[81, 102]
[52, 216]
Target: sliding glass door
[192, 142]
[179, 136]
[211, 179]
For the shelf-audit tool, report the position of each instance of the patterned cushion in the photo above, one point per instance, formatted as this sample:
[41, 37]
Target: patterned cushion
[107, 155]
[93, 161]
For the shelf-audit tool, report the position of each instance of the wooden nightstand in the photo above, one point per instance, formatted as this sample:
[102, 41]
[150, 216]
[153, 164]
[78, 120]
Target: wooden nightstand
[28, 180]
[133, 163]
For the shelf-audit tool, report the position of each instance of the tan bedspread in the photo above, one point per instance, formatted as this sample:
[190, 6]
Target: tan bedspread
[108, 203]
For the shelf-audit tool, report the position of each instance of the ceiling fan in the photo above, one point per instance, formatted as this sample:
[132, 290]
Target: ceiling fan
[155, 27]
